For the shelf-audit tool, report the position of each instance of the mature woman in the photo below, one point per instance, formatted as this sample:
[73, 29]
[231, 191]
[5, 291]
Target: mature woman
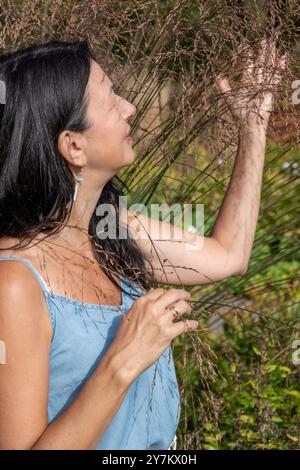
[88, 360]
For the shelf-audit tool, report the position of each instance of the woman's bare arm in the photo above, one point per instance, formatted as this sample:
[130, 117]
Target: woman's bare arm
[24, 379]
[83, 424]
[183, 258]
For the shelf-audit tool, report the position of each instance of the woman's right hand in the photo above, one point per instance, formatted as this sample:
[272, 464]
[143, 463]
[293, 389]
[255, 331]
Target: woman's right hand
[148, 328]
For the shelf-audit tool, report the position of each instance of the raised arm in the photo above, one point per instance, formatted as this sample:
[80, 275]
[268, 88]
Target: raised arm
[227, 250]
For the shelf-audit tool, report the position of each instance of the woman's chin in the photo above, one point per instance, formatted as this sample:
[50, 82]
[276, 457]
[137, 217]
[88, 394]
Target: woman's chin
[129, 157]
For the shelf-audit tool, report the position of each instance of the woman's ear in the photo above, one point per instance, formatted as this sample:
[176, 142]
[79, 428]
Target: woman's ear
[71, 147]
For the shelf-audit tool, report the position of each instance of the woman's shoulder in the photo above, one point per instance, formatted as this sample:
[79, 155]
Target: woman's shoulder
[15, 275]
[21, 297]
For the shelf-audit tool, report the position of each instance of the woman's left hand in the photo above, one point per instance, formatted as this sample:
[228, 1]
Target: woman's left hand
[252, 103]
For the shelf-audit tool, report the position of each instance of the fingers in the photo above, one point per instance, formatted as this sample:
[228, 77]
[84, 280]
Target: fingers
[154, 294]
[269, 65]
[265, 61]
[183, 327]
[266, 53]
[181, 306]
[171, 296]
[246, 58]
[248, 69]
[223, 85]
[261, 62]
[281, 63]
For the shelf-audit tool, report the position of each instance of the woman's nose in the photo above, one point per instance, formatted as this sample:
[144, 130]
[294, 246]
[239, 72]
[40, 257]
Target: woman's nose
[128, 109]
[131, 110]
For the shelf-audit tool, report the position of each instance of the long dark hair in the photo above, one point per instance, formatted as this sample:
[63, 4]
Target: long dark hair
[45, 94]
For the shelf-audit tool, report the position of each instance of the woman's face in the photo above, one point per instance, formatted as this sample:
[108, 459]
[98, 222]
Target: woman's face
[107, 148]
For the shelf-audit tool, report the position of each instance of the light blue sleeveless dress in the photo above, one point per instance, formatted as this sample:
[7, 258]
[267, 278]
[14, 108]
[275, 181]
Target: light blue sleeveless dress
[81, 334]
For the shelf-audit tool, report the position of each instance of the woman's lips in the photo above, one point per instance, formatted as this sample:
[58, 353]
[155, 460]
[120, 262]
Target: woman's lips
[128, 139]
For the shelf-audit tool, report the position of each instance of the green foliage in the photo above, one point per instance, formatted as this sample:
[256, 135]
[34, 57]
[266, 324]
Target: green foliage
[253, 402]
[256, 397]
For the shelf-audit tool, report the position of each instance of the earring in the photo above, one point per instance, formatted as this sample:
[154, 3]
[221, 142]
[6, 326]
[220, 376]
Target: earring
[78, 178]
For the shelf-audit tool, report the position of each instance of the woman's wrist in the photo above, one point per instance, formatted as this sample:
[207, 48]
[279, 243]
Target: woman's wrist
[122, 365]
[248, 129]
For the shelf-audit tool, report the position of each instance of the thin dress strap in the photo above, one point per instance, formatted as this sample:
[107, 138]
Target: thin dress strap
[41, 281]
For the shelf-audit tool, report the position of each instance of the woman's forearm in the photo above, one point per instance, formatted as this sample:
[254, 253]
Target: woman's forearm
[85, 421]
[237, 218]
